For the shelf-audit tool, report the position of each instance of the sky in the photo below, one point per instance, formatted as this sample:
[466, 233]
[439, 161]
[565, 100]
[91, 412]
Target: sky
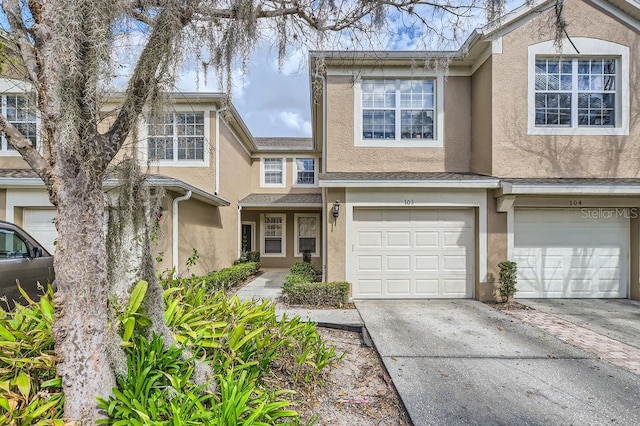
[275, 102]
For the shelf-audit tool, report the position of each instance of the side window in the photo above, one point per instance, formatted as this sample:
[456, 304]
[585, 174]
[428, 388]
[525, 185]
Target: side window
[11, 245]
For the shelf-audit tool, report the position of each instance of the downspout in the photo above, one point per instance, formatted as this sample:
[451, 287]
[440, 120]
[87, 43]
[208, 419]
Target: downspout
[217, 150]
[324, 169]
[239, 231]
[174, 229]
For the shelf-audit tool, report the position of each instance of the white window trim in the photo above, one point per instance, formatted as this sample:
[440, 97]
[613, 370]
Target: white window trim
[295, 173]
[295, 233]
[144, 146]
[588, 48]
[283, 253]
[6, 84]
[436, 142]
[284, 173]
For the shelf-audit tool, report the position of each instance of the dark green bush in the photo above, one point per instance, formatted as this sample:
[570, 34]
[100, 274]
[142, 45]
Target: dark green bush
[334, 294]
[253, 256]
[507, 280]
[220, 280]
[308, 270]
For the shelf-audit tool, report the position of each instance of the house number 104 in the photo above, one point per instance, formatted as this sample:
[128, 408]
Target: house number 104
[408, 202]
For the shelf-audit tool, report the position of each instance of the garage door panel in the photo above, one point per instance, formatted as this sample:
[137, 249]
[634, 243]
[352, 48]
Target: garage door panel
[399, 263]
[399, 287]
[369, 239]
[566, 253]
[426, 239]
[399, 239]
[40, 224]
[369, 263]
[427, 263]
[420, 253]
[370, 287]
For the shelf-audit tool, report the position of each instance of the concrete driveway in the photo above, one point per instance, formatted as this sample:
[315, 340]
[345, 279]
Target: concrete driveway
[618, 319]
[461, 362]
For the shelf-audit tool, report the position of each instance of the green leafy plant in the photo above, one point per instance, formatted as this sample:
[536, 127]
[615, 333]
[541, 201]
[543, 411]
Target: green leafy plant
[131, 316]
[334, 294]
[507, 280]
[306, 256]
[30, 390]
[253, 256]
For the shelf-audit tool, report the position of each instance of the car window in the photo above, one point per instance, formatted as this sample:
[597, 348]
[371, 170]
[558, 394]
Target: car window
[11, 245]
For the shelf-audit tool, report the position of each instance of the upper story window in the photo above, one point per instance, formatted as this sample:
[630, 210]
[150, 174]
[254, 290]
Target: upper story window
[273, 172]
[304, 173]
[175, 137]
[19, 109]
[584, 93]
[575, 92]
[399, 112]
[398, 109]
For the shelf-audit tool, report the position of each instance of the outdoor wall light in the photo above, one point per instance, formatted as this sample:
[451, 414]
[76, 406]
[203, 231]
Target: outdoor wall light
[335, 210]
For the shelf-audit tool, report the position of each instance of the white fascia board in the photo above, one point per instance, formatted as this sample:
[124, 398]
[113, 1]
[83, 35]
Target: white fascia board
[280, 206]
[484, 183]
[20, 182]
[539, 189]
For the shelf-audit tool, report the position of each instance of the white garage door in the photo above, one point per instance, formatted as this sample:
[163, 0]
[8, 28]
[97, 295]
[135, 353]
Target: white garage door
[572, 253]
[39, 223]
[413, 253]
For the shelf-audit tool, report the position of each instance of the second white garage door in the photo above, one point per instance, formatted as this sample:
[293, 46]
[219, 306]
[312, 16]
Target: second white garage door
[39, 223]
[413, 253]
[580, 253]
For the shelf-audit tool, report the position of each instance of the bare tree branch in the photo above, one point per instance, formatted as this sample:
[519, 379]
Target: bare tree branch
[26, 149]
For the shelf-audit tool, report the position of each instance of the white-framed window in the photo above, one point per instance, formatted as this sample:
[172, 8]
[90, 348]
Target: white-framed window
[399, 112]
[579, 94]
[19, 110]
[575, 92]
[305, 172]
[273, 235]
[307, 233]
[177, 137]
[273, 172]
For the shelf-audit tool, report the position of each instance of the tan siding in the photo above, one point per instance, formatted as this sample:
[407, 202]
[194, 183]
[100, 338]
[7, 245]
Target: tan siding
[336, 236]
[343, 156]
[496, 247]
[13, 163]
[481, 119]
[560, 156]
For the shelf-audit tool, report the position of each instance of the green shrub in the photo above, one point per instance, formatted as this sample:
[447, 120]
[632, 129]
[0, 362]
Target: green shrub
[308, 270]
[30, 390]
[508, 280]
[334, 294]
[253, 256]
[220, 280]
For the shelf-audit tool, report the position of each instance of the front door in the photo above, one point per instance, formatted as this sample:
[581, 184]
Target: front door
[247, 236]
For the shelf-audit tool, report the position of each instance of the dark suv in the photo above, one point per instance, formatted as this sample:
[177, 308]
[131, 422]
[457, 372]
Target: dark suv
[23, 259]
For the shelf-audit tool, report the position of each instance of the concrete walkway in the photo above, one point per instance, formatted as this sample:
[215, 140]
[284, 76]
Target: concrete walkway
[269, 286]
[461, 362]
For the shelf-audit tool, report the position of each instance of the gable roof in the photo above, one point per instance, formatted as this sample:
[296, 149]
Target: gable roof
[284, 143]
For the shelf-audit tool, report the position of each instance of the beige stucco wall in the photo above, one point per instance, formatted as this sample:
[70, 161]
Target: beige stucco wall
[481, 119]
[336, 237]
[496, 248]
[256, 175]
[558, 156]
[343, 156]
[291, 258]
[11, 162]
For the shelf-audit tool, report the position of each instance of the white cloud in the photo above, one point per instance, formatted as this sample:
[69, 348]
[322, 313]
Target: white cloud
[294, 121]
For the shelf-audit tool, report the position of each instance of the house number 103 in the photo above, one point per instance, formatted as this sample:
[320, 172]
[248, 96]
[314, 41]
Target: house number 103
[408, 202]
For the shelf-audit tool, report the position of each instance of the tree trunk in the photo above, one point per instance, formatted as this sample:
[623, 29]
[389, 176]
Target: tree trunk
[80, 328]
